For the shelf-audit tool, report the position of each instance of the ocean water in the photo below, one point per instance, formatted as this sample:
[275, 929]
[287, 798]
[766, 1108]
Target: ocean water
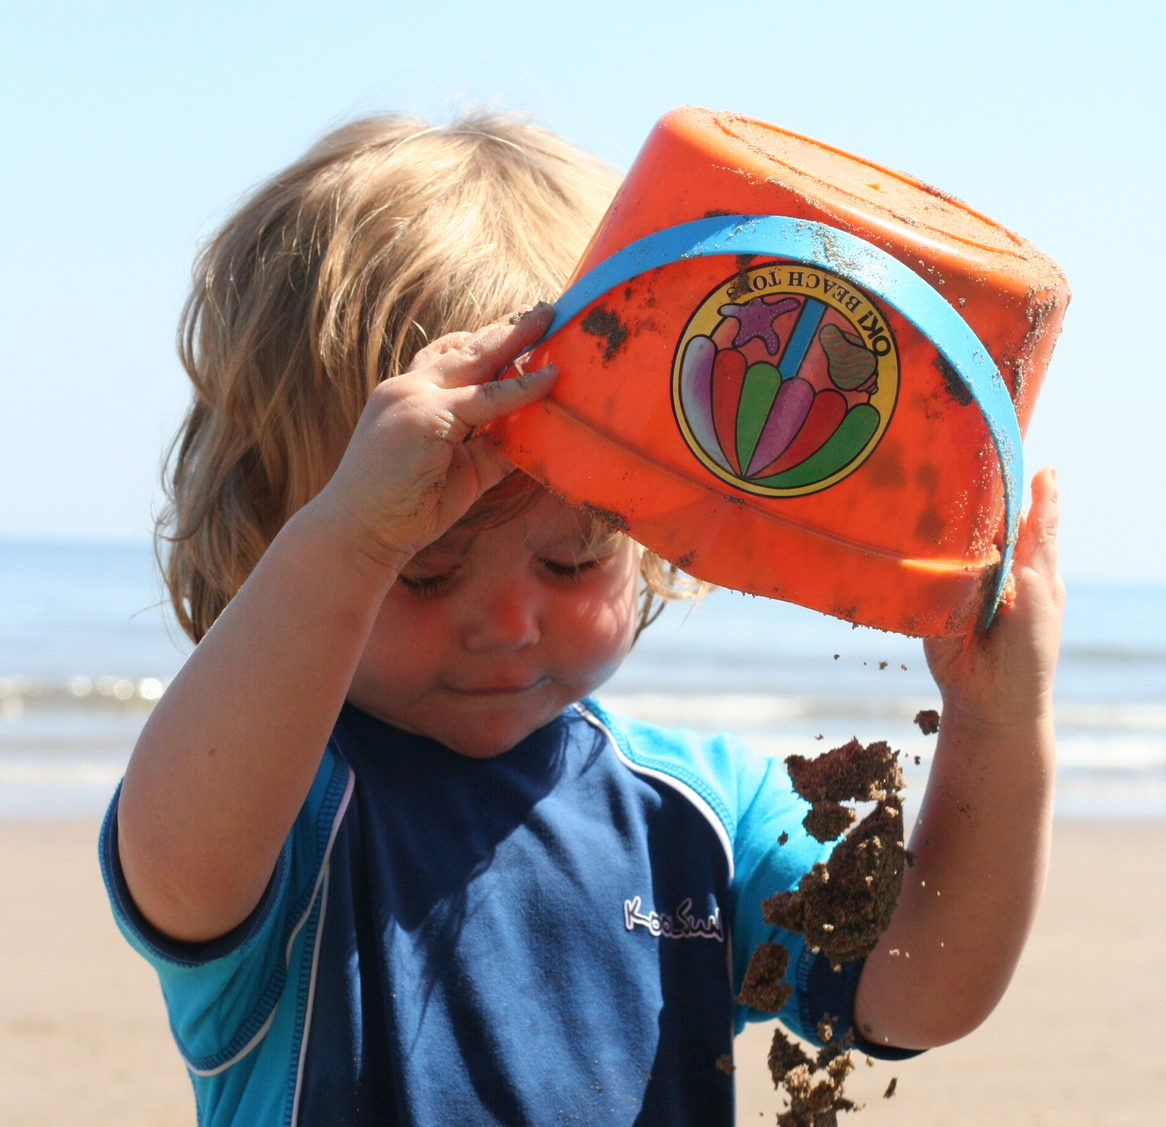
[86, 647]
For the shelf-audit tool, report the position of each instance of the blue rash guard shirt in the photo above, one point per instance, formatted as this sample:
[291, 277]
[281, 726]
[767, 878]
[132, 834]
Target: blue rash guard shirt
[552, 936]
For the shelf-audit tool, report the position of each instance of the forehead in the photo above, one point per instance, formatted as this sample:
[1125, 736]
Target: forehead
[551, 516]
[539, 520]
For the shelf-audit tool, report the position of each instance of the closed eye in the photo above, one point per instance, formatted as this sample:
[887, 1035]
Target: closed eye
[571, 572]
[428, 585]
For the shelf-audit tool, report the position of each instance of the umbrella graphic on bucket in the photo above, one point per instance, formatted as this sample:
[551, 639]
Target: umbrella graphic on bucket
[785, 379]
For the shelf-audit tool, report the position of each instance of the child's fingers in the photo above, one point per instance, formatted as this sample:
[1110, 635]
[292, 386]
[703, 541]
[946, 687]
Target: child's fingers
[435, 349]
[464, 359]
[490, 466]
[483, 403]
[1037, 546]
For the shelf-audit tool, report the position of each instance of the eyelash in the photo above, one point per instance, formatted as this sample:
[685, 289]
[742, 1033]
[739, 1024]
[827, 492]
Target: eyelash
[572, 572]
[431, 586]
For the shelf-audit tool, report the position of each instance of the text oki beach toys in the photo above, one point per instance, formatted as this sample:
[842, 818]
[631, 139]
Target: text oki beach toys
[794, 373]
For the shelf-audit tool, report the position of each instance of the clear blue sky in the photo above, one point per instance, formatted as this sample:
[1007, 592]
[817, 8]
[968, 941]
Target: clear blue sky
[129, 129]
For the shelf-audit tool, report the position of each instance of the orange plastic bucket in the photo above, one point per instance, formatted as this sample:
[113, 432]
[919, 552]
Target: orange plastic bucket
[794, 373]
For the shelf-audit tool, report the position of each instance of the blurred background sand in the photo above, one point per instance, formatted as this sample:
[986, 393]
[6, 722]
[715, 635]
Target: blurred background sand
[84, 1039]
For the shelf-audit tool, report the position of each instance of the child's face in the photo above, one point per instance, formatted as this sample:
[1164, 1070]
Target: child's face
[487, 635]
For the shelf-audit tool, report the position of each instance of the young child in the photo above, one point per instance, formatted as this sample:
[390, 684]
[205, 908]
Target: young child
[392, 863]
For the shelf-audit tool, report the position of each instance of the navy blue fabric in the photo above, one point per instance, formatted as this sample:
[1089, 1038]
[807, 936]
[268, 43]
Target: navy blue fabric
[830, 993]
[475, 963]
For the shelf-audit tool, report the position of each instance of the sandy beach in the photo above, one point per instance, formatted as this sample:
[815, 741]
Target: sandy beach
[83, 1035]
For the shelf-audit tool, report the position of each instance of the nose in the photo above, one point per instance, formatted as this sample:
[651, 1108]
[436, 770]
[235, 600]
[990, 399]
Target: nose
[504, 618]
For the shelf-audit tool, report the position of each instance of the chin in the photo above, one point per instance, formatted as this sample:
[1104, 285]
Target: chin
[485, 738]
[491, 733]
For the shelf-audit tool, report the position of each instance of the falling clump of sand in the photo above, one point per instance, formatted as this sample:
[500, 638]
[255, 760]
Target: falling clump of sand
[813, 1085]
[928, 721]
[841, 907]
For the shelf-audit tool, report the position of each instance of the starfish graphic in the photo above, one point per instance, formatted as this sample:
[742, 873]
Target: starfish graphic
[756, 319]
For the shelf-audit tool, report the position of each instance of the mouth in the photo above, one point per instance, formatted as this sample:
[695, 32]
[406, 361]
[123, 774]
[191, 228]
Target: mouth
[498, 689]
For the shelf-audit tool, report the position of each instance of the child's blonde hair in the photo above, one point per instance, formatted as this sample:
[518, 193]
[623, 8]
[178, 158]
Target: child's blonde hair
[387, 234]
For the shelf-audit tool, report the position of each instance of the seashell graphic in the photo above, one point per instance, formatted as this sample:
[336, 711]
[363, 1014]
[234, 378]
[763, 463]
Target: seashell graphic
[842, 447]
[696, 395]
[826, 413]
[757, 395]
[728, 377]
[766, 423]
[789, 411]
[851, 364]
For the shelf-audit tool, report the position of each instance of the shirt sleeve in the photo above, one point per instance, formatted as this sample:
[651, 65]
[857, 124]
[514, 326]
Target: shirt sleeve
[223, 995]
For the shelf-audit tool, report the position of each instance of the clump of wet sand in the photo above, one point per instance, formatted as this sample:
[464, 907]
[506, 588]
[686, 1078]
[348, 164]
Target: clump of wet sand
[928, 721]
[841, 907]
[848, 773]
[826, 820]
[763, 988]
[814, 1084]
[845, 904]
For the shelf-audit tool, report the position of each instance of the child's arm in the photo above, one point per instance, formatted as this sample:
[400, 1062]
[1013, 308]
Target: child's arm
[982, 840]
[228, 755]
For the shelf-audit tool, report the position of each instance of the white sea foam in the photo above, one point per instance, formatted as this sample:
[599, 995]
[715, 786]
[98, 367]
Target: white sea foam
[40, 770]
[1111, 760]
[719, 711]
[59, 784]
[108, 691]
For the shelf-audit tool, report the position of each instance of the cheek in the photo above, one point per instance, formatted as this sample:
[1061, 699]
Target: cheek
[602, 622]
[406, 641]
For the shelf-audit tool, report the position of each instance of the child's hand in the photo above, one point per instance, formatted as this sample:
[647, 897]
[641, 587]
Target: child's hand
[413, 465]
[1005, 675]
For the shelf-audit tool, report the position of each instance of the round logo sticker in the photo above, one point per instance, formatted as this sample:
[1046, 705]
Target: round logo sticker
[784, 379]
